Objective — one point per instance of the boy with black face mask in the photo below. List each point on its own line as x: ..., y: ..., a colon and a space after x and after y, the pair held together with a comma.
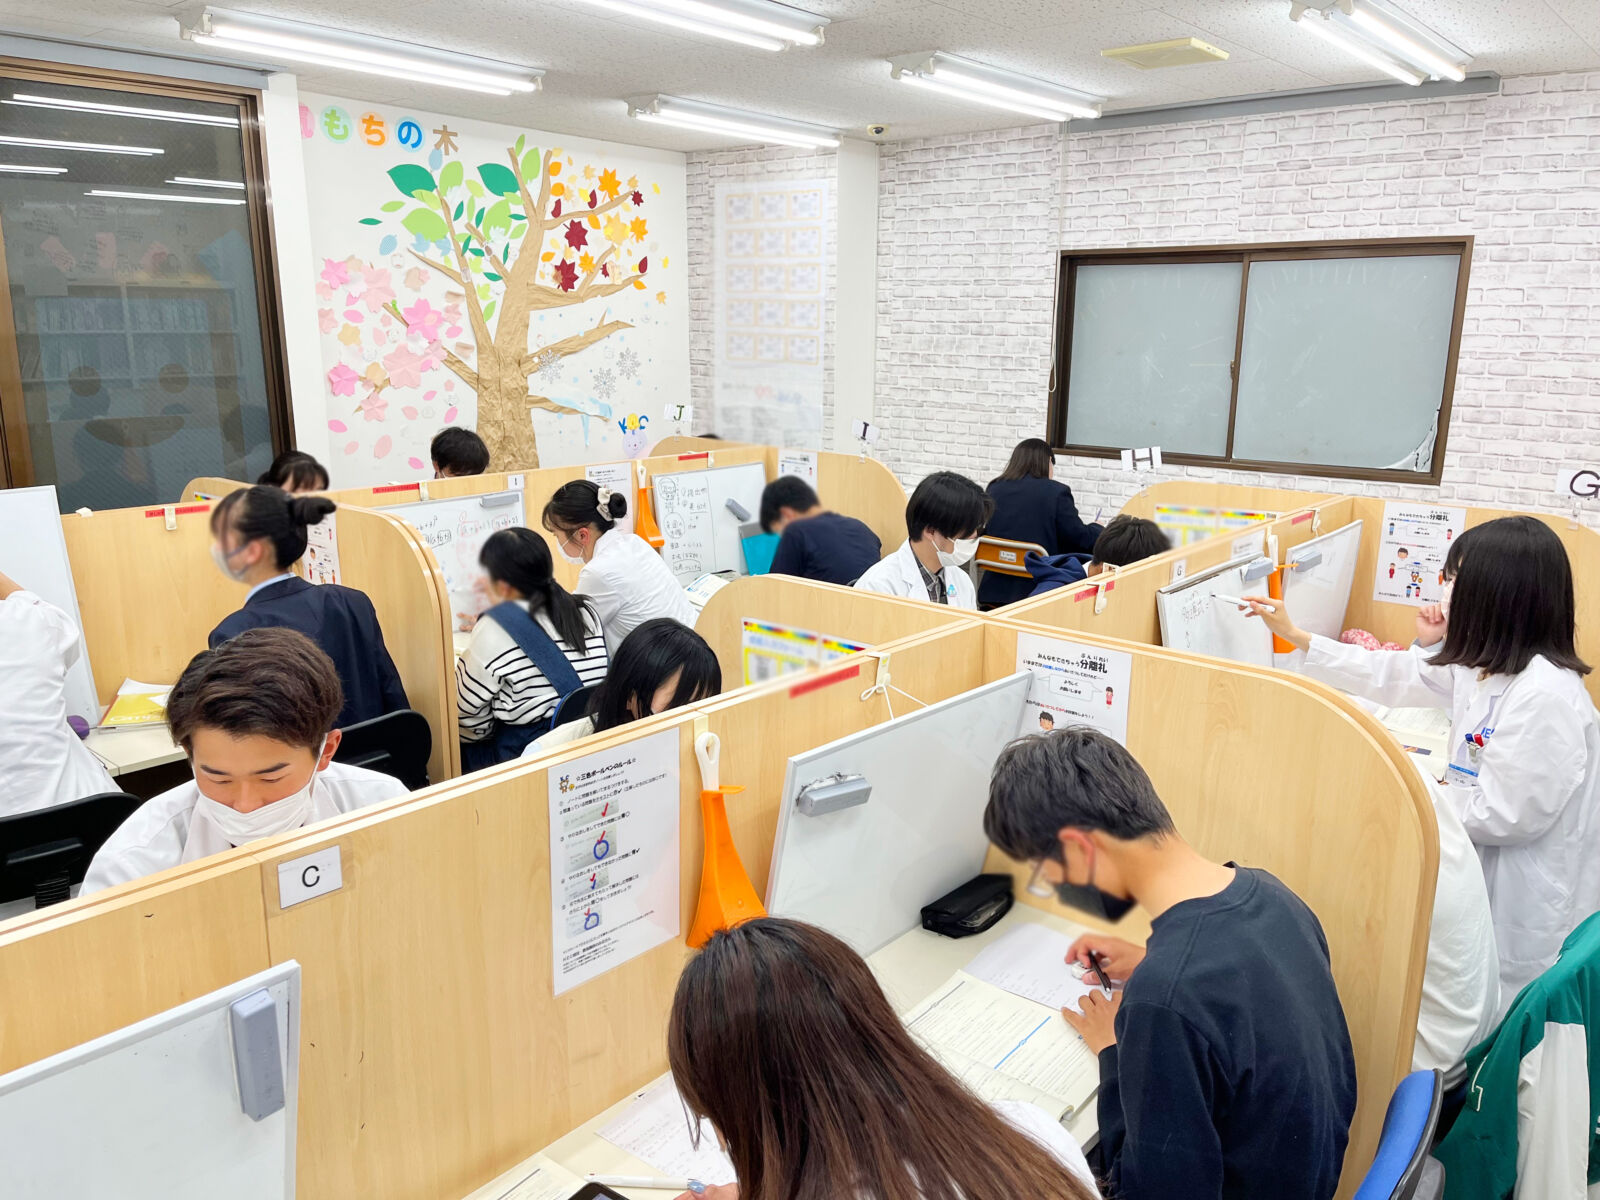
x: 1225, y: 1063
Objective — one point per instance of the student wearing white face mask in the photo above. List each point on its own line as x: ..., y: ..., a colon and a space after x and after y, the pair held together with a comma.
x: 623, y: 577
x: 944, y: 519
x: 255, y: 716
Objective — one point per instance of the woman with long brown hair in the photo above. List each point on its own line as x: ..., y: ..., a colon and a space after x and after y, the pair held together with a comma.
x: 782, y: 1039
x: 1030, y: 505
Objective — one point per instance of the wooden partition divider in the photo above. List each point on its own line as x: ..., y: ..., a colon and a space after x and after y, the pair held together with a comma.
x: 1199, y: 493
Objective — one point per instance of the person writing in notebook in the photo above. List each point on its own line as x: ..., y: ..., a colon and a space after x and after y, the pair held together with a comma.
x: 945, y: 517
x: 1226, y: 1070
x: 815, y: 543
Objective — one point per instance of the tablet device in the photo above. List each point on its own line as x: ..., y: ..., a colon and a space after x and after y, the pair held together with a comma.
x: 596, y: 1191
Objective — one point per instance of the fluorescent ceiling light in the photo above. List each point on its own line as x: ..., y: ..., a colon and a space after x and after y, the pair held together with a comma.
x: 26, y: 100
x: 89, y: 147
x: 221, y: 183
x: 731, y: 122
x: 1382, y: 36
x: 163, y: 196
x: 977, y: 83
x: 274, y: 39
x: 1408, y: 47
x: 759, y: 24
x: 22, y: 170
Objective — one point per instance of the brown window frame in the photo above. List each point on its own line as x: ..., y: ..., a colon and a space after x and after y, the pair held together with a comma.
x: 16, y: 460
x: 1245, y: 254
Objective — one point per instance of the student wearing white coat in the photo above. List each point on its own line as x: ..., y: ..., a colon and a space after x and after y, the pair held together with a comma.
x: 256, y: 718
x: 944, y: 519
x: 1524, y: 773
x: 43, y: 762
x: 623, y: 577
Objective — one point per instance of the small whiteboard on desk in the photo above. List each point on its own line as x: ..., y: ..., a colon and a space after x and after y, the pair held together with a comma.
x: 33, y: 553
x: 865, y: 873
x: 153, y: 1111
x: 700, y: 533
x: 1317, y: 590
x: 456, y: 530
x: 1193, y: 619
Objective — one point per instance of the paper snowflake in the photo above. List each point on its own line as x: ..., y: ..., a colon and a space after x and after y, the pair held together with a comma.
x: 628, y: 362
x: 548, y: 366
x: 605, y: 383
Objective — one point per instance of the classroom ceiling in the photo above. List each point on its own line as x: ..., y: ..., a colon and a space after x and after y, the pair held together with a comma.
x: 593, y: 60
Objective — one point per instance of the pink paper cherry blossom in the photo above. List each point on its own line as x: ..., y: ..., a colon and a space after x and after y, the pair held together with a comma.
x: 351, y: 447
x: 383, y: 446
x: 342, y: 379
x: 334, y: 274
x: 338, y: 426
x: 414, y: 463
x: 450, y: 415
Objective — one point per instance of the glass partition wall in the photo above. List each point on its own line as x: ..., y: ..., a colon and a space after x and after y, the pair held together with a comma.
x: 139, y: 342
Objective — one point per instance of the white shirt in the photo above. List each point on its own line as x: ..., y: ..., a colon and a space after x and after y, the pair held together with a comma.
x: 901, y: 575
x: 496, y: 681
x: 629, y: 585
x: 561, y: 735
x: 1461, y: 983
x: 163, y: 832
x: 42, y: 761
x: 1529, y: 797
x: 1049, y: 1133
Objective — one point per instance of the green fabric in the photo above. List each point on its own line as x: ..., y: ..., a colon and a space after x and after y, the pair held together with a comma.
x: 1480, y: 1152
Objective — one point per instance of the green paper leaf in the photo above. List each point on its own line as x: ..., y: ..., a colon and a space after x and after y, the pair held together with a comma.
x: 411, y: 179
x: 488, y: 310
x: 451, y: 176
x: 532, y: 164
x: 475, y: 189
x: 522, y: 140
x: 498, y: 179
x: 371, y: 221
x: 392, y: 206
x: 477, y: 252
x: 426, y: 225
x: 430, y: 200
x: 460, y: 208
x: 518, y: 217
x: 498, y: 216
x: 491, y: 275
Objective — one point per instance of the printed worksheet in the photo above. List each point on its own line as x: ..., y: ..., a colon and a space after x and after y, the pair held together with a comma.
x: 1074, y: 684
x: 1031, y: 961
x: 1413, y: 540
x: 655, y: 1129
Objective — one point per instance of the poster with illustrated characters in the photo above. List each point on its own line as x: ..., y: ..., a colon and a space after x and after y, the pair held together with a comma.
x: 771, y: 311
x: 1074, y: 684
x: 526, y: 285
x: 1412, y: 543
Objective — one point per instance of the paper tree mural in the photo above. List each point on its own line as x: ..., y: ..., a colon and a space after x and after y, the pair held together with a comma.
x: 524, y: 237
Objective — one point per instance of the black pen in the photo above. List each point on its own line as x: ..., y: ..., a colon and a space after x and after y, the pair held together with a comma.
x: 1094, y: 965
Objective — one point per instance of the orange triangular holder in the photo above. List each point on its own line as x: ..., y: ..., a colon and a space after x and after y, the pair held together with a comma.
x: 1275, y: 592
x: 644, y: 518
x: 727, y: 896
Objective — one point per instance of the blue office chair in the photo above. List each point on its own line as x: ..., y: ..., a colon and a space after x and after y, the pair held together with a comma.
x: 573, y: 706
x: 1402, y: 1169
x: 44, y: 852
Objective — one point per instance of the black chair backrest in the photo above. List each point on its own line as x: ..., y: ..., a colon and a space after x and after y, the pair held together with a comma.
x: 44, y: 852
x: 396, y: 743
x: 572, y: 706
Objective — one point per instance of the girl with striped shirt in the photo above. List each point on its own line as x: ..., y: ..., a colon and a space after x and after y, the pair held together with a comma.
x: 537, y: 644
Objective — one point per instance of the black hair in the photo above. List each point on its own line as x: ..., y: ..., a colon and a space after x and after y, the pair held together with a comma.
x: 646, y: 659
x: 1127, y: 539
x: 271, y: 513
x: 520, y: 558
x: 950, y: 505
x: 577, y: 504
x: 297, y: 470
x: 273, y: 682
x: 459, y: 452
x: 1031, y: 459
x: 786, y: 491
x: 1512, y: 599
x: 1073, y: 778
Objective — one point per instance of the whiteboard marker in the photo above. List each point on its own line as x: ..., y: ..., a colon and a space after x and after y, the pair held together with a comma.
x: 1243, y: 603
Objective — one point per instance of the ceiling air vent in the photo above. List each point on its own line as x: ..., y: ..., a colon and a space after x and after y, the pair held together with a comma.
x: 1179, y: 52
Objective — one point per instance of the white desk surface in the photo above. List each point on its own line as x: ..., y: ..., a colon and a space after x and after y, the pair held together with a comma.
x: 909, y: 968
x: 126, y: 750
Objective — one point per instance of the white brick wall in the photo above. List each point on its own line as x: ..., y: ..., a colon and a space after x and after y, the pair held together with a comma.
x: 969, y: 227
x: 705, y: 170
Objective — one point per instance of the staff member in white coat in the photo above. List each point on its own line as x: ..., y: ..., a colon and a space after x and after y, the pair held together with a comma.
x: 1524, y: 772
x: 624, y: 579
x: 42, y: 760
x: 944, y: 519
x: 256, y: 718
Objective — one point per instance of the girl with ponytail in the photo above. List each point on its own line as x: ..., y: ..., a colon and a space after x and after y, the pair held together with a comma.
x: 622, y: 577
x: 537, y: 644
x: 258, y: 534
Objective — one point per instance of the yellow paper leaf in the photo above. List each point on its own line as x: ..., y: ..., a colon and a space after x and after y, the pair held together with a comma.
x: 665, y: 262
x: 661, y: 297
x: 555, y: 168
x: 558, y: 189
x: 639, y: 283
x: 350, y: 335
x: 547, y: 256
x: 594, y: 222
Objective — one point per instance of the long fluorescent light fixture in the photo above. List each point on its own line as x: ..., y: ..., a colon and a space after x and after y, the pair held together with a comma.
x: 187, y: 181
x: 163, y: 196
x: 731, y: 122
x: 759, y: 24
x: 63, y: 104
x: 20, y: 169
x: 7, y: 139
x: 294, y: 41
x: 1382, y: 36
x: 975, y: 83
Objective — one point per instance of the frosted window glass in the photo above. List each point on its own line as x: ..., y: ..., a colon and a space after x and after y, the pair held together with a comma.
x: 1344, y: 360
x: 1151, y: 350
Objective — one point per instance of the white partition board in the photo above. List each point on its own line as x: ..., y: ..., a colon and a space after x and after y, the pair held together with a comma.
x: 700, y: 533
x: 33, y: 552
x: 1318, y: 594
x: 1193, y: 619
x: 864, y: 873
x: 152, y: 1111
x: 456, y: 530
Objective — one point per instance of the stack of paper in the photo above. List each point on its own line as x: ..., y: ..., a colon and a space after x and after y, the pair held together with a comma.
x: 539, y: 1178
x: 655, y: 1129
x: 1424, y: 732
x: 137, y: 704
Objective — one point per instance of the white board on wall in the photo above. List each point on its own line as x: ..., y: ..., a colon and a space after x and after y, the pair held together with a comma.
x: 1317, y: 579
x: 1193, y: 619
x: 455, y: 530
x: 34, y: 554
x: 700, y: 532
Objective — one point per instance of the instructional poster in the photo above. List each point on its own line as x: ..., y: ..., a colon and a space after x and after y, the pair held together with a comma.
x: 618, y: 476
x: 1184, y: 523
x: 802, y: 464
x: 613, y: 857
x: 321, y: 559
x: 1412, y: 543
x: 1074, y: 684
x: 770, y: 650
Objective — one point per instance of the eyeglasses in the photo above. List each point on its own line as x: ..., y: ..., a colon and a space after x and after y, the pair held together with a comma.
x: 1037, y: 884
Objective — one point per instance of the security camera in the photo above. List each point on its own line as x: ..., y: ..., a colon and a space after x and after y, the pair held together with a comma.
x: 877, y: 130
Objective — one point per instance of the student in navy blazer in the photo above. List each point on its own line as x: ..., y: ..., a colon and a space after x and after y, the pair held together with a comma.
x: 1030, y: 506
x: 259, y: 533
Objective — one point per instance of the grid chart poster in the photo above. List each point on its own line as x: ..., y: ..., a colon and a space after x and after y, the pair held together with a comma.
x: 613, y: 857
x: 1074, y: 684
x: 1412, y: 543
x: 771, y: 310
